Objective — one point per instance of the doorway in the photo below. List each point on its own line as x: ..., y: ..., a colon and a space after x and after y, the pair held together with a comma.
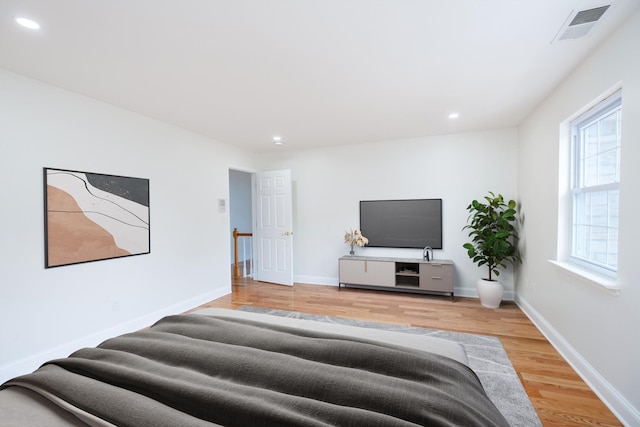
x: 260, y: 208
x: 241, y: 218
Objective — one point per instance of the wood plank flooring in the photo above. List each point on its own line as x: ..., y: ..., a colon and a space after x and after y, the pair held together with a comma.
x: 558, y: 394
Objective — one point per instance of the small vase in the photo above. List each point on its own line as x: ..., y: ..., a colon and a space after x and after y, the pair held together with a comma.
x: 352, y: 252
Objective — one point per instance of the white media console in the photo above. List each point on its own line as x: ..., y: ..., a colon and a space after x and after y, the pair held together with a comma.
x: 398, y: 274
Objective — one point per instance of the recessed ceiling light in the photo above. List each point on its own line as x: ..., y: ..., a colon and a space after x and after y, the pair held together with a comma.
x: 454, y: 115
x: 277, y: 140
x: 28, y: 23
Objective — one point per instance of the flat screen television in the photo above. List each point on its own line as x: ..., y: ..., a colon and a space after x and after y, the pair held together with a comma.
x: 402, y: 223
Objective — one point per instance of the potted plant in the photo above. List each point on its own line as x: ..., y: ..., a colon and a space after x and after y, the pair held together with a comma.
x: 494, y: 240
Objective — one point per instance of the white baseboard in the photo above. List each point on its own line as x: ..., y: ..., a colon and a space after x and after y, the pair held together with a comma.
x: 316, y: 280
x: 473, y: 293
x: 617, y: 403
x: 333, y: 281
x: 31, y: 363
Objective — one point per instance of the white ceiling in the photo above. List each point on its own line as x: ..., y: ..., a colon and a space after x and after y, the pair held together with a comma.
x: 316, y: 72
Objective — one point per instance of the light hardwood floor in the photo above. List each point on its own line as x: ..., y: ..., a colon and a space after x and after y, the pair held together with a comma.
x: 558, y: 394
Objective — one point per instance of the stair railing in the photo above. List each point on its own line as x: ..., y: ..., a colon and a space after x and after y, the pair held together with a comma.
x: 236, y: 264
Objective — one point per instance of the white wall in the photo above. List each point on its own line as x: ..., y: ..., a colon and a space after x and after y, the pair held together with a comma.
x: 48, y: 313
x: 598, y: 332
x: 328, y: 184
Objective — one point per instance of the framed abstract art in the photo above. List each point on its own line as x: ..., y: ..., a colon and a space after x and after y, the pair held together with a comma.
x: 94, y: 216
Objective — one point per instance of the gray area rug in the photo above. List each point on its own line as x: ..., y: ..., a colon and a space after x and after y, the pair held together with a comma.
x: 486, y: 356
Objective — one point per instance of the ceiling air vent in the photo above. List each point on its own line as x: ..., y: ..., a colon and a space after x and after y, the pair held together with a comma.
x: 579, y: 23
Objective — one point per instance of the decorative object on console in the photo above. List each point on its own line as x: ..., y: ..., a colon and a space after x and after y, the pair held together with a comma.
x: 354, y: 237
x: 425, y: 253
x: 494, y: 243
x: 91, y: 217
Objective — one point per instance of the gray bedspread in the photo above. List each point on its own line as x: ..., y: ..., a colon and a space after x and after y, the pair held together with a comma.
x: 201, y: 370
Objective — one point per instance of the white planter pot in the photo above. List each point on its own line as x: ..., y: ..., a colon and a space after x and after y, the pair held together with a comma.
x: 490, y: 292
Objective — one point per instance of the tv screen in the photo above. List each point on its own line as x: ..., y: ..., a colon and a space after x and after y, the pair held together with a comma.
x: 402, y: 223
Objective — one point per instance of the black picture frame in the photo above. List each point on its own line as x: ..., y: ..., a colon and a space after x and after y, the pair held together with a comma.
x: 94, y: 216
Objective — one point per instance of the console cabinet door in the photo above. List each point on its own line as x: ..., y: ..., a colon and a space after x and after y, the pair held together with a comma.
x: 436, y: 277
x: 374, y: 273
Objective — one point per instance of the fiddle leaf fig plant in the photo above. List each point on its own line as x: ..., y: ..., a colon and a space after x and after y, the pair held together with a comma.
x: 493, y: 232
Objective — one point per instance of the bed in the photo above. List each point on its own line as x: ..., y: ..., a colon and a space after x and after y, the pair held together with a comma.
x: 232, y: 368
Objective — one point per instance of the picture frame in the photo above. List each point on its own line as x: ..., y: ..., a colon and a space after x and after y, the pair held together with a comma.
x: 94, y: 216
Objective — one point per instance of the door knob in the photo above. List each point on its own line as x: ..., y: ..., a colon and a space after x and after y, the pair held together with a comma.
x: 288, y: 233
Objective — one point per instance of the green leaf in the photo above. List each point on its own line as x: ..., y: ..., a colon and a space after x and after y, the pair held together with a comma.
x: 493, y: 233
x: 502, y: 234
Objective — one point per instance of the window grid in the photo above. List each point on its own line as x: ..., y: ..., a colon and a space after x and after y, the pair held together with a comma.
x: 596, y: 150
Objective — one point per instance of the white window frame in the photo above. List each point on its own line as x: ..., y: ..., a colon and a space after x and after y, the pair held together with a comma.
x: 580, y: 188
x: 588, y: 273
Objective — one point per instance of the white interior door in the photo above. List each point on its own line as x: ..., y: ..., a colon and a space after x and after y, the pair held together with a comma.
x: 273, y: 234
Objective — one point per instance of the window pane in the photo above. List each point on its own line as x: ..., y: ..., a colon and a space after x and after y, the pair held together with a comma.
x: 590, y: 137
x: 608, y: 132
x: 581, y: 241
x: 598, y: 244
x: 599, y: 156
x: 599, y: 209
x: 596, y: 227
x: 590, y: 171
x: 613, y: 208
x: 607, y: 167
x: 596, y: 196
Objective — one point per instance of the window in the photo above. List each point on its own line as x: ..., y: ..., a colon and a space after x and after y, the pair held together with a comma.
x: 595, y: 151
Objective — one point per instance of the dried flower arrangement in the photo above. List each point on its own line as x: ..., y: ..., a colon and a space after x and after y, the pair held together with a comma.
x: 355, y: 237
